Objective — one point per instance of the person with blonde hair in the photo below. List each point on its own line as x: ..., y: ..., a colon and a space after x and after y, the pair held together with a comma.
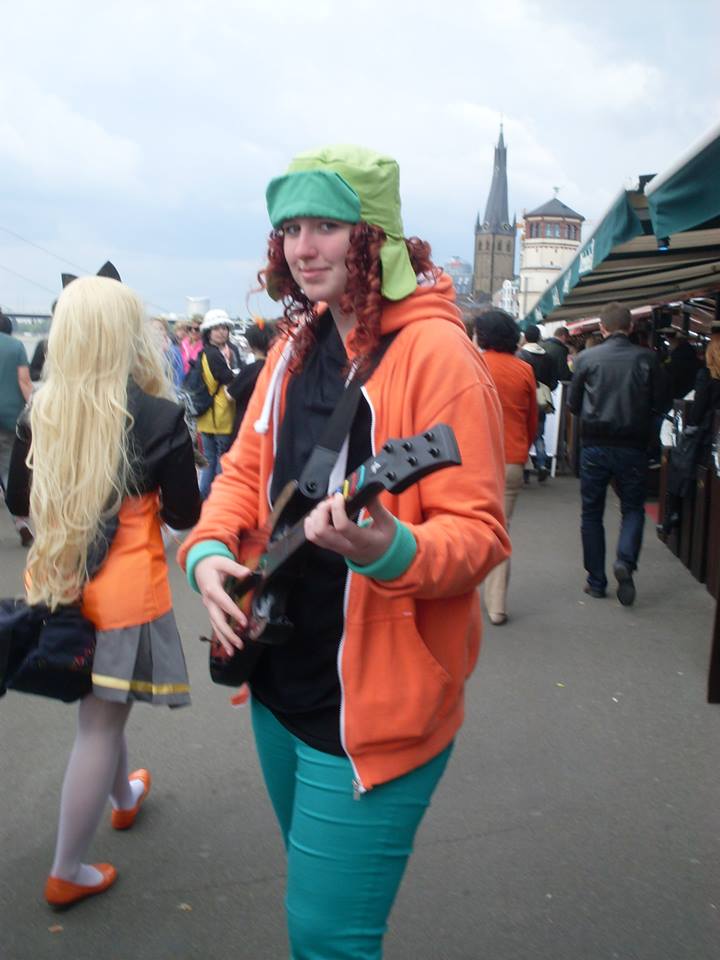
x: 102, y: 457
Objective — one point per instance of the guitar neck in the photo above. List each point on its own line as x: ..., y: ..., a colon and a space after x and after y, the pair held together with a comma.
x: 293, y: 539
x: 397, y: 466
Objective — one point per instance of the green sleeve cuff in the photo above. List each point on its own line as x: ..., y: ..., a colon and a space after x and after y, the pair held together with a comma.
x: 198, y: 552
x: 396, y: 559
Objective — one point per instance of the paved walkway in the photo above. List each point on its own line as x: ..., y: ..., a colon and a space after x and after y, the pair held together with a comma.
x: 578, y: 820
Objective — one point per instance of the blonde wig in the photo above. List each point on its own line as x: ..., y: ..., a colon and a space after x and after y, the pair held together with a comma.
x: 79, y: 456
x: 712, y: 356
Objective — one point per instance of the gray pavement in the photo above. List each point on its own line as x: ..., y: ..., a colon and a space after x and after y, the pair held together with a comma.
x: 578, y: 819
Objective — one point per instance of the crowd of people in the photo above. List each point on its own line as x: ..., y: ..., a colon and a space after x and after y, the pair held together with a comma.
x: 354, y: 716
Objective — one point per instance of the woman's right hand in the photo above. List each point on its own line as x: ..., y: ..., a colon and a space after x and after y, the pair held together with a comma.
x: 210, y: 576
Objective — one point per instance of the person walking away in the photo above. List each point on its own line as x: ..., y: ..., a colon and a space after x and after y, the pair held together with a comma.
x: 546, y: 381
x: 497, y: 335
x: 682, y: 365
x: 557, y: 347
x: 110, y: 457
x: 355, y: 716
x: 617, y: 389
x: 170, y: 350
x: 259, y: 338
x: 15, y: 391
x: 220, y: 364
x: 191, y: 344
x: 38, y: 358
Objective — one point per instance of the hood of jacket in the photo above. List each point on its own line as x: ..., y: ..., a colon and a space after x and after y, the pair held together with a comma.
x: 434, y: 297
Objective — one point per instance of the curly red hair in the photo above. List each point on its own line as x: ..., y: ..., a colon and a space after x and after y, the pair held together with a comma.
x: 362, y: 297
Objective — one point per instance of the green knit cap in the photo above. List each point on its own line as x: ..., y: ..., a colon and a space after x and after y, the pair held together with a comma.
x: 373, y: 178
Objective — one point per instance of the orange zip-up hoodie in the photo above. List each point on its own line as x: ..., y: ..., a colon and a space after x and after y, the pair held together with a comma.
x: 408, y: 644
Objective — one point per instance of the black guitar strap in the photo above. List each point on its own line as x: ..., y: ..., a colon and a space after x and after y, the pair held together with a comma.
x: 314, y: 478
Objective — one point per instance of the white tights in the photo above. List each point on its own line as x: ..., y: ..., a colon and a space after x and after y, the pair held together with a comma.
x: 97, y: 769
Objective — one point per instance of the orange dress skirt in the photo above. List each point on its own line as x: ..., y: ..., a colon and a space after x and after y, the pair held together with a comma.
x: 139, y: 653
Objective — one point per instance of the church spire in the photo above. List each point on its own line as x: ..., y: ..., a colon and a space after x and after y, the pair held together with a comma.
x: 497, y: 218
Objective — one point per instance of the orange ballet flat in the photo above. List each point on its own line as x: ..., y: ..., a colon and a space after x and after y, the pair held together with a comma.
x: 64, y: 893
x: 124, y: 819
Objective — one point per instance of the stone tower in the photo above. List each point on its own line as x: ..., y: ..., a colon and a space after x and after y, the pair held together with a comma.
x: 552, y: 235
x: 494, y: 260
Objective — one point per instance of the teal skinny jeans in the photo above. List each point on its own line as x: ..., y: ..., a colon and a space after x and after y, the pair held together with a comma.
x: 346, y: 856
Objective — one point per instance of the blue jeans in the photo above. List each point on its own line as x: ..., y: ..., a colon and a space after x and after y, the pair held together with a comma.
x: 346, y: 856
x: 214, y: 446
x: 541, y: 458
x: 598, y: 466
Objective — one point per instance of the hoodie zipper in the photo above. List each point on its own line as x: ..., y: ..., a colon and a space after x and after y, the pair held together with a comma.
x: 358, y: 786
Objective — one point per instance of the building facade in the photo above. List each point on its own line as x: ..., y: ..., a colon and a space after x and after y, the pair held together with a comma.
x: 461, y: 274
x: 551, y: 237
x: 494, y: 255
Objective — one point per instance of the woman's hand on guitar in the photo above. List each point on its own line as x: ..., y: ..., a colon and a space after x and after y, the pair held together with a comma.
x: 210, y: 576
x: 329, y: 526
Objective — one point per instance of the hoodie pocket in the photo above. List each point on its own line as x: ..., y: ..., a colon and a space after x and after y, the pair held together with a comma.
x: 400, y: 692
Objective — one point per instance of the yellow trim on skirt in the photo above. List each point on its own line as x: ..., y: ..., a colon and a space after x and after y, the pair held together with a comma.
x: 141, y: 686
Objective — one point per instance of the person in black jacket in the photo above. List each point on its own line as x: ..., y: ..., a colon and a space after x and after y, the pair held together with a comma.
x: 259, y: 338
x: 220, y: 364
x: 557, y: 347
x: 617, y: 389
x: 544, y: 370
x: 682, y: 364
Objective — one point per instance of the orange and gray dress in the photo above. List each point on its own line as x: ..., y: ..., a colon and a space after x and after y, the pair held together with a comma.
x: 139, y: 653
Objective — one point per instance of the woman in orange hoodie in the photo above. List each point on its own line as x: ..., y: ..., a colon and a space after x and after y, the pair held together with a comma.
x: 497, y: 335
x: 355, y: 715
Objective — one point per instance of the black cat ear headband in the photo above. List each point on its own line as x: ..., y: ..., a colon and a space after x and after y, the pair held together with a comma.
x: 106, y: 270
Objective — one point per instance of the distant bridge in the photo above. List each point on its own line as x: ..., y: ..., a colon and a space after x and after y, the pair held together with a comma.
x: 33, y: 318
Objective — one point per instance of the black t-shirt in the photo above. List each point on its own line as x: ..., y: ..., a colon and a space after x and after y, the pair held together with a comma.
x: 299, y: 681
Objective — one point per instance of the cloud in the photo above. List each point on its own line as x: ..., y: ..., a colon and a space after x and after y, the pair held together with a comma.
x: 45, y: 141
x: 151, y: 127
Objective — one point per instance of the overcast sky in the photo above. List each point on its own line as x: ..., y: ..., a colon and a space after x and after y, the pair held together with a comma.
x: 146, y: 132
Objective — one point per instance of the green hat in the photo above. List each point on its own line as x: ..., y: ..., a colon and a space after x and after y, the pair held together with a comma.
x: 370, y: 177
x: 316, y: 194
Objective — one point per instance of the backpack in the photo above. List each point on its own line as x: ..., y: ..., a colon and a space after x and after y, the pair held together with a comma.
x: 194, y: 393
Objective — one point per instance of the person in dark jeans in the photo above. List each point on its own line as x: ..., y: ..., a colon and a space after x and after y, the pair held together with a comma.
x: 617, y: 389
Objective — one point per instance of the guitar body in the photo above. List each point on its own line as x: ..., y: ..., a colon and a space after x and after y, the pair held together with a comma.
x: 265, y: 609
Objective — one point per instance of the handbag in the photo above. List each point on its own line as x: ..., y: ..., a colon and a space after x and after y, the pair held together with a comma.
x: 544, y: 398
x: 48, y: 653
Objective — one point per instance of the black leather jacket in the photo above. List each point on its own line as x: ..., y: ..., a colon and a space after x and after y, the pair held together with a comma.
x: 617, y: 389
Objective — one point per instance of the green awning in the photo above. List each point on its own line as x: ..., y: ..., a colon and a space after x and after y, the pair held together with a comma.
x: 619, y: 225
x: 628, y: 257
x: 688, y: 194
